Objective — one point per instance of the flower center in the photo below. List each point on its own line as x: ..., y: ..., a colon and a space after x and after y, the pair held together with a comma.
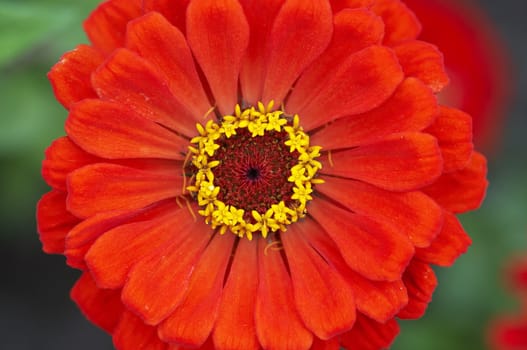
x: 253, y: 172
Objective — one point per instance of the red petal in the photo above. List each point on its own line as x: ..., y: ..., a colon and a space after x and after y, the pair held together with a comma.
x: 379, y: 300
x: 174, y: 11
x: 353, y: 31
x: 462, y: 190
x: 106, y: 25
x: 363, y: 242
x: 301, y: 32
x: 420, y: 281
x: 361, y: 83
x: 260, y: 15
x: 412, y: 107
x: 104, y: 187
x: 192, y: 321
x: 423, y: 61
x: 163, y: 45
x: 451, y: 242
x: 339, y: 5
x: 370, y: 335
x: 453, y: 130
x: 400, y: 162
x: 401, y: 23
x: 101, y: 306
x: 158, y: 283
x: 324, y: 300
x: 278, y: 324
x: 70, y: 77
x: 411, y: 213
x: 118, y: 248
x: 113, y: 130
x: 235, y: 328
x: 54, y: 221
x: 330, y: 344
x: 133, y: 81
x: 63, y: 157
x: 133, y: 334
x: 218, y: 35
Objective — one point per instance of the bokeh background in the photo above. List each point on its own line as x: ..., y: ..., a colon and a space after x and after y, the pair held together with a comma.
x: 35, y: 309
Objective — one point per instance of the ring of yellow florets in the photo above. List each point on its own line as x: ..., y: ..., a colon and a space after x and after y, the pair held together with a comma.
x: 302, y: 175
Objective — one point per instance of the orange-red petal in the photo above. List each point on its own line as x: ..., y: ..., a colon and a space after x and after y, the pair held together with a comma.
x: 400, y: 162
x: 370, y: 335
x: 330, y: 344
x: 70, y: 77
x: 192, y: 321
x: 157, y: 284
x: 423, y: 61
x: 371, y: 248
x: 420, y: 281
x: 131, y: 80
x: 411, y: 213
x: 324, y: 300
x: 235, y: 328
x: 104, y: 187
x: 464, y: 189
x: 173, y: 10
x: 63, y: 157
x: 453, y: 130
x: 106, y: 26
x: 401, y: 23
x: 113, y: 130
x: 54, y: 221
x: 218, y: 34
x: 163, y: 45
x: 300, y: 33
x: 451, y: 242
x: 101, y: 306
x: 132, y: 333
x: 278, y: 324
x: 339, y: 5
x: 412, y: 107
x: 359, y: 84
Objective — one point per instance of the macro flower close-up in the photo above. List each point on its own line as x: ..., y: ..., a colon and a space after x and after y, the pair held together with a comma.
x: 256, y: 174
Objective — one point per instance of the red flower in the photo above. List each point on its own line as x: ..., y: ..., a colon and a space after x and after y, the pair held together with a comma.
x: 309, y: 225
x: 510, y: 332
x: 475, y: 60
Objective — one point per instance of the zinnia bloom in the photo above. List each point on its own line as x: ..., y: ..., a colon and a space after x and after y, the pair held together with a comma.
x: 256, y: 174
x: 476, y: 61
x: 510, y: 332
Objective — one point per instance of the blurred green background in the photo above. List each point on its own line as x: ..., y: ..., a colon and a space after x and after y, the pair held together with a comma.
x: 36, y: 312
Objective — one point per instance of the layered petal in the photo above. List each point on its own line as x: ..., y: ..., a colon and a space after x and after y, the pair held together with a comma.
x: 359, y: 84
x: 411, y: 213
x: 163, y: 45
x: 62, y: 157
x: 192, y: 321
x: 401, y: 23
x: 54, y: 221
x: 113, y: 130
x: 218, y: 34
x: 70, y: 77
x: 173, y: 11
x: 353, y: 31
x: 101, y: 306
x: 451, y: 242
x: 323, y: 299
x: 339, y: 5
x: 235, y: 328
x: 462, y: 190
x: 370, y: 335
x: 400, y: 162
x: 453, y: 130
x: 157, y: 284
x: 363, y: 242
x: 301, y: 32
x: 424, y: 61
x: 106, y: 26
x: 420, y: 281
x: 104, y: 187
x: 278, y: 324
x: 132, y: 333
x: 133, y: 81
x: 412, y: 107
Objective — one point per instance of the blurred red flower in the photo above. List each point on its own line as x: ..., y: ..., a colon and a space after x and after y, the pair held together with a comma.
x: 309, y: 225
x: 476, y: 61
